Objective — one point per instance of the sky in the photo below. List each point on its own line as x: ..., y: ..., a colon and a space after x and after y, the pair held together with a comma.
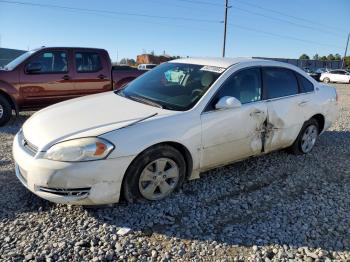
x: 126, y: 28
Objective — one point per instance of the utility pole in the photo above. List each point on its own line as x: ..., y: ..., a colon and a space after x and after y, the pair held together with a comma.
x: 225, y: 27
x: 346, y: 50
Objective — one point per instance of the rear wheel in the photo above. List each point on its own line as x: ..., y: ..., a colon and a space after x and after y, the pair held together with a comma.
x: 326, y: 80
x: 154, y: 174
x: 5, y: 111
x: 307, y: 138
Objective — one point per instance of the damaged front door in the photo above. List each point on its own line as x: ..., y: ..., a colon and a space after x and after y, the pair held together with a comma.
x: 232, y: 134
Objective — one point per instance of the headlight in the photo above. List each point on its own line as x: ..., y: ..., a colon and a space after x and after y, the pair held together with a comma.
x: 82, y: 149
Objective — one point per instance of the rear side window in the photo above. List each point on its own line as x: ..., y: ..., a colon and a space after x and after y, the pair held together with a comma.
x: 279, y: 82
x: 305, y: 85
x: 86, y: 62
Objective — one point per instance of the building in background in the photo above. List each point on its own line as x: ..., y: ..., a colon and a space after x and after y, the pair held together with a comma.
x: 153, y: 59
x: 7, y: 55
x: 308, y: 63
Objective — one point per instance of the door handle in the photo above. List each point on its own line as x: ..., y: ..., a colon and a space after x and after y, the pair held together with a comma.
x: 256, y: 112
x: 302, y: 103
x: 101, y: 76
x: 66, y: 77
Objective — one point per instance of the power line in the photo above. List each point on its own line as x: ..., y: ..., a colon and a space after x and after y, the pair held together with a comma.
x: 110, y: 12
x: 201, y: 2
x: 281, y: 36
x: 286, y: 21
x: 285, y: 14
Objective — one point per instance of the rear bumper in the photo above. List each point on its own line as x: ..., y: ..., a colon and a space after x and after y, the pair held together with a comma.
x: 81, y: 183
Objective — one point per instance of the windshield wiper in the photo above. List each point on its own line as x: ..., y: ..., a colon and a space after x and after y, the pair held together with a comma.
x: 145, y: 101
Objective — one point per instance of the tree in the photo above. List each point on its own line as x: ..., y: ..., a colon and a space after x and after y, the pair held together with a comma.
x: 337, y: 57
x: 323, y: 58
x: 304, y: 56
x: 330, y: 57
x: 347, y: 62
x: 316, y: 57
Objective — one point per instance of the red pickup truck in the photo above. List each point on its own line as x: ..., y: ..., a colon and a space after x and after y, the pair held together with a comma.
x: 49, y: 75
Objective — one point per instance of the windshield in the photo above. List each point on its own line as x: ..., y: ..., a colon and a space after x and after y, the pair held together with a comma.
x: 172, y: 86
x: 18, y: 60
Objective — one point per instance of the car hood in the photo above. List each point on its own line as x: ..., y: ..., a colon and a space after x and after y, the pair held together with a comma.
x: 86, y: 116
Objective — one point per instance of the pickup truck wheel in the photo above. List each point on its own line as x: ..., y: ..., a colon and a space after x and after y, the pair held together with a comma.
x: 154, y: 174
x: 5, y: 111
x: 307, y: 138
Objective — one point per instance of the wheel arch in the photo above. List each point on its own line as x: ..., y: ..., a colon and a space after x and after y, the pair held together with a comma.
x: 178, y: 146
x: 10, y: 99
x: 320, y: 120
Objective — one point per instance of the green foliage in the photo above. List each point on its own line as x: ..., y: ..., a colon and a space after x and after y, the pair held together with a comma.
x: 347, y: 62
x: 330, y: 57
x: 316, y: 57
x: 304, y: 56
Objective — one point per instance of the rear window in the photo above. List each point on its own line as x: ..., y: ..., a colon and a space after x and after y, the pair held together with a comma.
x: 279, y: 82
x: 86, y: 62
x: 305, y: 85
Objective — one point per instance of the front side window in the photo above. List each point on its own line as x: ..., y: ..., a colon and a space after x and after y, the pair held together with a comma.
x: 87, y: 62
x: 244, y: 85
x: 14, y: 63
x: 49, y: 62
x: 305, y: 85
x: 279, y: 82
x: 173, y: 86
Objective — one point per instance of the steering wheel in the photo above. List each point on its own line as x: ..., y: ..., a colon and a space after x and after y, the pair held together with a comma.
x: 194, y: 91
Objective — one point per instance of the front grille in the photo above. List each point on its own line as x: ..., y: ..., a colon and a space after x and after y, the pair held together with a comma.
x: 26, y: 145
x: 75, y: 192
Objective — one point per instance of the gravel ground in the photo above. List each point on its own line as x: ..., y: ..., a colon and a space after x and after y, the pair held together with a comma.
x: 277, y: 207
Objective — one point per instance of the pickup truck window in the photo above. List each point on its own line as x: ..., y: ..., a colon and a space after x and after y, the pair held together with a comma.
x: 87, y: 62
x: 10, y: 66
x: 49, y: 62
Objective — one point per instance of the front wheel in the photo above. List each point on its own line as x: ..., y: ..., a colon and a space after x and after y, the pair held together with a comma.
x: 5, y: 111
x: 326, y: 80
x: 154, y: 174
x: 307, y: 138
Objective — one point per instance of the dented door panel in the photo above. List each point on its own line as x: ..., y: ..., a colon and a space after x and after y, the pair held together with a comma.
x: 285, y: 119
x: 231, y: 135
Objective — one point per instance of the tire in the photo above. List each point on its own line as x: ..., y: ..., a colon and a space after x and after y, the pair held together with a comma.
x: 148, y: 176
x: 326, y: 80
x: 300, y: 146
x: 5, y: 111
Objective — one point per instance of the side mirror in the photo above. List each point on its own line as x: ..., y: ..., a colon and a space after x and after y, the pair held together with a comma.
x: 228, y: 102
x: 33, y: 68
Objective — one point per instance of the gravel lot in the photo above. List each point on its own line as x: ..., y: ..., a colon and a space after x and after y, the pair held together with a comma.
x: 275, y: 207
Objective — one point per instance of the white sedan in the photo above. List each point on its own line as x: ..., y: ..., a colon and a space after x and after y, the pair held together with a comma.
x: 172, y: 123
x: 339, y: 76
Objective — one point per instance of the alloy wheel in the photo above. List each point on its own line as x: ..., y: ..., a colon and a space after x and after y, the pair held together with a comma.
x: 309, y: 138
x: 159, y: 178
x: 1, y: 111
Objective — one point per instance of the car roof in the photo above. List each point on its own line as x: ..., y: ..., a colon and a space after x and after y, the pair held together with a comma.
x: 214, y: 61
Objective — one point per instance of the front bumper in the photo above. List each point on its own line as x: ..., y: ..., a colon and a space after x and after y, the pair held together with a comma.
x: 81, y: 183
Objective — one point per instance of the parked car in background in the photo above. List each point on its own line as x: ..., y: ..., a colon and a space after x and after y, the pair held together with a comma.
x: 338, y: 76
x: 315, y: 75
x: 49, y: 75
x: 184, y: 117
x: 146, y: 66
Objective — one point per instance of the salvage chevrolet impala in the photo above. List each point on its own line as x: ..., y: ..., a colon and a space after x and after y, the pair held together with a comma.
x: 172, y: 123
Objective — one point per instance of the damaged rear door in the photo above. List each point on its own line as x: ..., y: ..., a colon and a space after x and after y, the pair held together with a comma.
x: 232, y: 134
x: 285, y: 108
